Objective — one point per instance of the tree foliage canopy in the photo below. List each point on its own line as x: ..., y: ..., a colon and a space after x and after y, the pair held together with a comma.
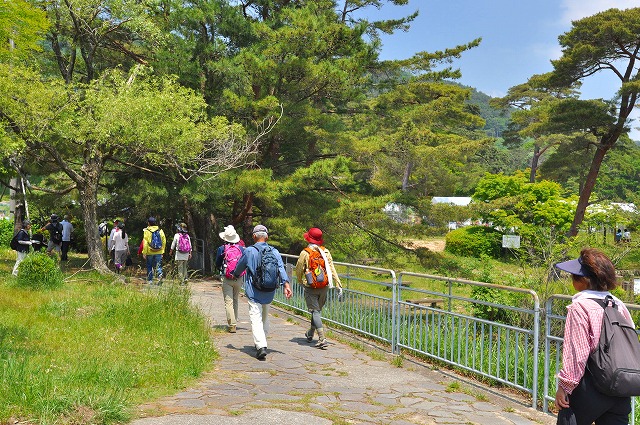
x: 232, y: 112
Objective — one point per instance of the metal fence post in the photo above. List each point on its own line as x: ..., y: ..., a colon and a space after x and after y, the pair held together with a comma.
x: 536, y: 350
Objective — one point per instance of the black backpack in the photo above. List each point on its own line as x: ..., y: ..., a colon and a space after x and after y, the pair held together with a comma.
x: 56, y: 232
x: 615, y: 364
x: 14, y: 241
x: 267, y: 277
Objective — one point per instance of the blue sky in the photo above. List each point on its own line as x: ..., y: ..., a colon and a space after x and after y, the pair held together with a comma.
x: 519, y: 37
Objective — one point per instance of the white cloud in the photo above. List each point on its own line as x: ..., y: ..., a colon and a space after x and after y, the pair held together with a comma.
x: 578, y: 9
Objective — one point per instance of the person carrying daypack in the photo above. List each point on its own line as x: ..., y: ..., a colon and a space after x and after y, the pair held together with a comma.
x: 260, y: 260
x: 20, y: 243
x: 316, y: 272
x: 153, y: 245
x: 120, y: 247
x: 593, y: 276
x: 55, y: 234
x: 181, y: 245
x: 227, y: 257
x: 615, y: 364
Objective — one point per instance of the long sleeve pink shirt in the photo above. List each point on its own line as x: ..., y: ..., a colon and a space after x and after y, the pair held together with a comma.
x: 581, y: 335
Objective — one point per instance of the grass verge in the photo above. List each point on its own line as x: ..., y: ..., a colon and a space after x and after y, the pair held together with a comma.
x: 91, y: 351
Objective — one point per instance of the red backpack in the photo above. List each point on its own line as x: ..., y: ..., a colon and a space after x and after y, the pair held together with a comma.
x: 317, y: 269
x: 232, y: 253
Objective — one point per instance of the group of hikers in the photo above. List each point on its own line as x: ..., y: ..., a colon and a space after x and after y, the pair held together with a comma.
x: 59, y: 239
x: 621, y: 236
x: 258, y: 269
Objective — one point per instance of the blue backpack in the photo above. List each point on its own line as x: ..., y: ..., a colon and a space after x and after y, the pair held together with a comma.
x: 267, y: 277
x: 156, y: 240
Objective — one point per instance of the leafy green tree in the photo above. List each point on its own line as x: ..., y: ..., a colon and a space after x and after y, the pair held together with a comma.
x: 532, y: 210
x: 609, y: 42
x: 21, y: 27
x: 131, y: 121
x: 532, y: 102
x: 87, y: 37
x: 420, y: 138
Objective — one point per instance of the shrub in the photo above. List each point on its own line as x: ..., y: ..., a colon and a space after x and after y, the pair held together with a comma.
x: 495, y: 296
x: 39, y: 271
x: 6, y: 232
x: 474, y: 241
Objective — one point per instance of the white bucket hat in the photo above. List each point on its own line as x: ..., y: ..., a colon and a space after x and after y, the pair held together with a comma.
x: 230, y: 234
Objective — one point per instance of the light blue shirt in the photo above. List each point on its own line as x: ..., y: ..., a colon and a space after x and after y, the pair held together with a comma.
x: 67, y: 228
x: 250, y: 261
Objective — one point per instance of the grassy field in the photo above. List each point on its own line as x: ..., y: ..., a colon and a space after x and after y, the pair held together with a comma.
x: 94, y: 349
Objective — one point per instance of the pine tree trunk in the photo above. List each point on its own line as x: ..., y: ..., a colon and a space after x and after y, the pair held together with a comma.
x: 89, y: 201
x: 534, y: 164
x: 587, y: 189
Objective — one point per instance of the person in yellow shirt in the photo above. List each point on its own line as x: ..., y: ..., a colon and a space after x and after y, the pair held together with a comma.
x: 153, y: 244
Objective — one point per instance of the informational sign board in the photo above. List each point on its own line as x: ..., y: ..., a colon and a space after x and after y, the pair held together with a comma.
x: 510, y: 241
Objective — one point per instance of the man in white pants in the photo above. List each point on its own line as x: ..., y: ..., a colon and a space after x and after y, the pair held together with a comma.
x: 24, y: 244
x: 259, y: 301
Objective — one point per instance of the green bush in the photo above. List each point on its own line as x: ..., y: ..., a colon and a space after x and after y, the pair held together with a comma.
x: 39, y: 271
x: 474, y: 241
x: 496, y: 296
x: 6, y: 232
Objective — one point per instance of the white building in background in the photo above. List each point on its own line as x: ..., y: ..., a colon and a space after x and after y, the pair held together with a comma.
x: 461, y: 201
x: 401, y: 213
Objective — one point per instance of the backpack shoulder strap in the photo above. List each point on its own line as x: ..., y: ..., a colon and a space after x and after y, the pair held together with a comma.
x: 261, y: 251
x: 316, y: 248
x: 604, y: 302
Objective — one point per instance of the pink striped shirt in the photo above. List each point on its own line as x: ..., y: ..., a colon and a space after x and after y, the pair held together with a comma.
x: 581, y: 335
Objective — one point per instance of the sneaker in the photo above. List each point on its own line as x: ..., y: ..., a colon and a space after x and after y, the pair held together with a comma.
x: 322, y: 344
x: 309, y: 335
x: 262, y: 353
x: 232, y: 329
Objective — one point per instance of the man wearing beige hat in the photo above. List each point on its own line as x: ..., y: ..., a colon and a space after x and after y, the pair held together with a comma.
x: 227, y: 257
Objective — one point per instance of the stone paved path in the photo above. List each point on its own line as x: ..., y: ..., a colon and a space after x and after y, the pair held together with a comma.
x: 349, y: 383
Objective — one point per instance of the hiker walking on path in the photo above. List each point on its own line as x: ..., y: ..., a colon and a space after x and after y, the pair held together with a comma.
x: 110, y: 239
x: 593, y: 276
x: 316, y: 272
x: 120, y: 245
x: 55, y: 234
x: 22, y: 244
x: 153, y: 245
x: 67, y: 230
x: 227, y: 257
x: 266, y: 273
x: 626, y: 236
x: 181, y: 245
